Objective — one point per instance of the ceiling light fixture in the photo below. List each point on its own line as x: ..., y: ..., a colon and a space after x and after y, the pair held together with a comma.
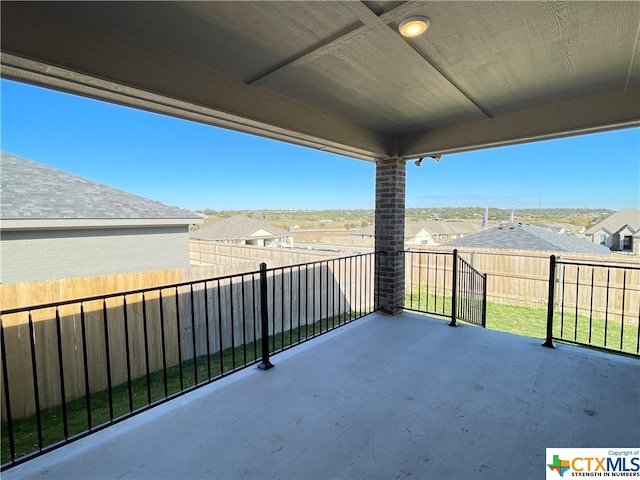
x: 413, y: 26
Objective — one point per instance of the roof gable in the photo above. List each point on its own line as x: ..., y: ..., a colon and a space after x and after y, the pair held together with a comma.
x: 33, y: 191
x: 614, y: 222
x: 626, y: 230
x: 261, y: 233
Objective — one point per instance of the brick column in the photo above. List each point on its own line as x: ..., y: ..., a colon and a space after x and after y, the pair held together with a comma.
x: 390, y: 204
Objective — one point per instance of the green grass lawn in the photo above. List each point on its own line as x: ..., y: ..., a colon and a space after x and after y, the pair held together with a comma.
x: 532, y: 322
x: 146, y: 392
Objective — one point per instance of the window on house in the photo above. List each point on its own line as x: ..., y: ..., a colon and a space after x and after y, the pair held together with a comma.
x: 626, y: 243
x: 603, y: 239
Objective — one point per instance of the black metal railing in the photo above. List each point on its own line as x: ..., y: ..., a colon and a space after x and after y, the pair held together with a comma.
x: 75, y: 367
x: 444, y: 284
x: 595, y: 305
x: 428, y: 280
x: 470, y: 293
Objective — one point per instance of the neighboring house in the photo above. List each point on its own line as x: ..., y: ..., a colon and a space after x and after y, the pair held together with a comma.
x: 441, y: 232
x: 519, y: 236
x: 617, y: 231
x: 241, y: 230
x: 433, y: 232
x: 57, y: 225
x: 635, y: 243
x: 562, y: 228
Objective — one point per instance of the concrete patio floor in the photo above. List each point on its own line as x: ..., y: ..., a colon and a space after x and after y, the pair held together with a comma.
x: 383, y: 398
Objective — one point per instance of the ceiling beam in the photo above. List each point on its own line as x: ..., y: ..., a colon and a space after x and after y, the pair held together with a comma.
x: 366, y: 21
x: 597, y: 113
x: 399, y: 13
x: 369, y: 21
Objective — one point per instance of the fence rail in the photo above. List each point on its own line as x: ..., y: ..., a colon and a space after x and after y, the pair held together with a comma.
x: 73, y: 367
x: 594, y: 305
x: 444, y: 284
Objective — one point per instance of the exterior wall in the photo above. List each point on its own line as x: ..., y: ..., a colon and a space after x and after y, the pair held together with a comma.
x: 595, y: 238
x: 422, y: 238
x: 49, y: 254
x: 619, y: 239
x: 389, y: 218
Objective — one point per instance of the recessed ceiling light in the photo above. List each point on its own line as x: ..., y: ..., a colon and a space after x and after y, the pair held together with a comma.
x: 413, y: 26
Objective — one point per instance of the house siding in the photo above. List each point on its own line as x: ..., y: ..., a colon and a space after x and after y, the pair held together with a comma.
x: 30, y: 255
x: 595, y: 238
x: 619, y: 239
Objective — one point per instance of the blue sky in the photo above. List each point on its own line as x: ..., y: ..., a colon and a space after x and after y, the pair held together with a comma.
x: 197, y: 166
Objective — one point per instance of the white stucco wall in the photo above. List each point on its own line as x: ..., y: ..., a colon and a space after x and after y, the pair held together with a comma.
x: 47, y: 254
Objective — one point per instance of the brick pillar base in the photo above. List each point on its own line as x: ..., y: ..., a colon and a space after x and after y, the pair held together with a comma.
x: 390, y: 205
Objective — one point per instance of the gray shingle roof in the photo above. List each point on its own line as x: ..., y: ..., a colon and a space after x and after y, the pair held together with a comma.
x: 32, y: 191
x: 518, y: 236
x: 236, y: 228
x: 614, y: 222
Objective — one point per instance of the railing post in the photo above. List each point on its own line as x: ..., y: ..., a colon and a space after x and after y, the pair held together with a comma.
x: 454, y: 293
x: 484, y: 300
x: 550, y: 302
x: 264, y: 318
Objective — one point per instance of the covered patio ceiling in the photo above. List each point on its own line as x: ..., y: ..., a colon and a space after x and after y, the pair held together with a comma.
x: 338, y: 76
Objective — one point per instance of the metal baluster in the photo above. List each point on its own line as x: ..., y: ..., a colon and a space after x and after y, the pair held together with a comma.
x: 244, y: 322
x: 146, y: 347
x: 63, y: 394
x: 233, y: 330
x: 193, y: 336
x: 7, y: 393
x: 606, y: 308
x: 85, y: 359
x: 34, y: 372
x: 624, y: 292
x: 165, y: 380
x: 220, y: 336
x: 127, y: 351
x: 179, y: 337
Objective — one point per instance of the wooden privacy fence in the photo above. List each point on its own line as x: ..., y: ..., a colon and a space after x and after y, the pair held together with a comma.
x: 522, y: 277
x: 203, y: 252
x: 76, y: 347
